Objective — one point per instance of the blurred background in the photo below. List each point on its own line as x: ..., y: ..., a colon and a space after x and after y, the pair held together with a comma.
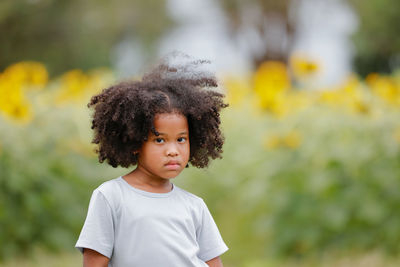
x: 311, y: 167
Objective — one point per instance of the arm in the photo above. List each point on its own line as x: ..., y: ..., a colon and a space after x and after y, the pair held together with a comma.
x: 216, y: 262
x: 92, y: 258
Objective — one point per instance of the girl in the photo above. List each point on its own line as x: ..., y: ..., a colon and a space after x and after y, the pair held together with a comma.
x: 159, y: 124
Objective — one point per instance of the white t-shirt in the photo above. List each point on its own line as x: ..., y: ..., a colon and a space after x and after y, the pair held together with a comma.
x: 133, y: 227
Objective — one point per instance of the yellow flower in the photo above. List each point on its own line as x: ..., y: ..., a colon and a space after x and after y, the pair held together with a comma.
x: 281, y: 105
x: 291, y: 140
x: 385, y: 87
x: 353, y: 95
x: 22, y: 112
x: 10, y: 92
x: 78, y: 87
x: 237, y: 90
x: 349, y: 96
x: 372, y: 78
x: 73, y: 86
x: 19, y: 112
x: 331, y: 97
x: 303, y: 66
x: 28, y: 73
x: 272, y: 142
x: 271, y: 80
x: 98, y: 79
x: 12, y: 101
x: 13, y: 81
x: 301, y: 99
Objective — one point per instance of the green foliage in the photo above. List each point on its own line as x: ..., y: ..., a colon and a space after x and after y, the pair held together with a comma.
x: 378, y: 38
x: 44, y: 188
x: 76, y: 34
x: 337, y: 190
x: 318, y: 180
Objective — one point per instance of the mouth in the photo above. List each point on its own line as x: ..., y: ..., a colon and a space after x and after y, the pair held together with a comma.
x: 173, y: 165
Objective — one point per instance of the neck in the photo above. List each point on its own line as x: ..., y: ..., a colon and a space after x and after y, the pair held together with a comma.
x: 142, y: 179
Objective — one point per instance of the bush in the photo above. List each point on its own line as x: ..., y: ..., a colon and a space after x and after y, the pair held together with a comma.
x: 315, y: 181
x: 47, y: 166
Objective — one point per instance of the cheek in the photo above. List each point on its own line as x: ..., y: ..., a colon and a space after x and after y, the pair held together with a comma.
x: 186, y: 151
x: 150, y: 153
x: 155, y: 155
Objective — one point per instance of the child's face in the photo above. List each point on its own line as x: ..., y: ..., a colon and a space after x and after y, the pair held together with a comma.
x: 166, y: 155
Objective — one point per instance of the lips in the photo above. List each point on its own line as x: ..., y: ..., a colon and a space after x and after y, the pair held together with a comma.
x: 173, y: 162
x: 173, y: 165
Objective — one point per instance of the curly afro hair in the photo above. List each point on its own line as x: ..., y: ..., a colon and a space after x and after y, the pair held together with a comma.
x: 124, y: 113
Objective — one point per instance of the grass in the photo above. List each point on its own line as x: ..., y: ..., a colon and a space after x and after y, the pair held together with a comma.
x: 43, y: 258
x: 371, y: 259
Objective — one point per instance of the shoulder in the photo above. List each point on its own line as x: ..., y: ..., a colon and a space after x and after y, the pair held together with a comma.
x: 187, y: 194
x: 109, y: 187
x: 111, y: 190
x: 109, y: 184
x: 190, y: 197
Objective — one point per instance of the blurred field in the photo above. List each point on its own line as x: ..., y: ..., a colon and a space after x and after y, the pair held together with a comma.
x: 43, y: 258
x: 373, y: 259
x: 308, y: 177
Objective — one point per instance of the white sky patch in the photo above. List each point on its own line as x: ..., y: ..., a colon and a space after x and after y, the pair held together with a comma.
x: 202, y: 33
x: 323, y: 33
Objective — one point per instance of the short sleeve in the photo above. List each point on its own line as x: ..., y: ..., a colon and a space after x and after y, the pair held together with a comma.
x: 98, y: 230
x: 208, y: 237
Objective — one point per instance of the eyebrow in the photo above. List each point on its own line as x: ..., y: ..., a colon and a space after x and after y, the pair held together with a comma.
x: 181, y: 133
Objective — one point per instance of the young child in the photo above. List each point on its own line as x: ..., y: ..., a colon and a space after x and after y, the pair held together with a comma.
x: 160, y: 124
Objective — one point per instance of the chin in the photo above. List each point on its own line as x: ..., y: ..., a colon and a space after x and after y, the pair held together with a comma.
x: 171, y: 175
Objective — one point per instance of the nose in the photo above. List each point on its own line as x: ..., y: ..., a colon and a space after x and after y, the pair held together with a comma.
x: 172, y: 151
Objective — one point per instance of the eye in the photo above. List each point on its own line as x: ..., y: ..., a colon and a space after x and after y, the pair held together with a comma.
x: 159, y: 140
x: 181, y: 139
